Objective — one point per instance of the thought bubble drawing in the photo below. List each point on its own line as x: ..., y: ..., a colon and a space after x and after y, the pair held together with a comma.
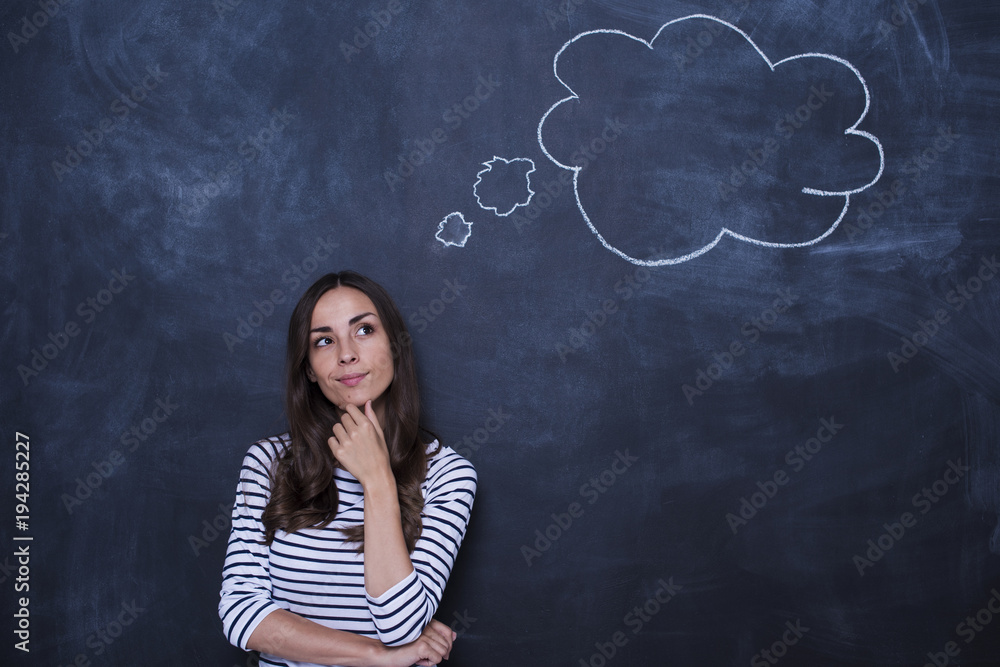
x: 454, y: 230
x: 695, y: 135
x: 507, y: 183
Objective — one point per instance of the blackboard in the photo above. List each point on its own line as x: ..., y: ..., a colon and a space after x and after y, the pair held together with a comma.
x: 705, y: 290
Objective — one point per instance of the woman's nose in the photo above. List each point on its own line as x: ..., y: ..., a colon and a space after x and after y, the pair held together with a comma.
x: 348, y: 353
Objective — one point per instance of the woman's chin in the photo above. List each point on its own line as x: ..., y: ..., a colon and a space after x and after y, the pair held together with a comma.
x: 359, y: 404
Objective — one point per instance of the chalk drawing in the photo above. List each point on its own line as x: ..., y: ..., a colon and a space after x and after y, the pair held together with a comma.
x: 489, y: 169
x: 454, y: 230
x: 846, y: 194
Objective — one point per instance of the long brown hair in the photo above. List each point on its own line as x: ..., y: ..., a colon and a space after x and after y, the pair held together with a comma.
x: 303, y: 491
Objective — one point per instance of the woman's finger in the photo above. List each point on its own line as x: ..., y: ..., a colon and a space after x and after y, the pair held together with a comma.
x: 340, y: 433
x: 444, y: 633
x: 348, y: 419
x: 441, y: 629
x: 434, y: 649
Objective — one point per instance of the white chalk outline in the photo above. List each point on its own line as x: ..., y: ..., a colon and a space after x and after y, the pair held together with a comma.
x: 441, y: 229
x: 489, y: 167
x: 725, y: 231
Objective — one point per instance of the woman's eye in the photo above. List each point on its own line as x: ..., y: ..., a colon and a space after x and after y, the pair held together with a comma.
x: 366, y: 330
x: 323, y: 342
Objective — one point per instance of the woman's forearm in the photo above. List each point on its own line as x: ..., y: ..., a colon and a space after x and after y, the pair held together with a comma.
x: 291, y: 636
x: 387, y: 562
x: 359, y: 445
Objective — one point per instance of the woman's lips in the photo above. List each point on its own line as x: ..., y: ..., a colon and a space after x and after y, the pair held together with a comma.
x: 352, y: 378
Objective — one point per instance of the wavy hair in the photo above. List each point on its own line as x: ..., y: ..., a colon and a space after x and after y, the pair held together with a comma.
x: 303, y: 490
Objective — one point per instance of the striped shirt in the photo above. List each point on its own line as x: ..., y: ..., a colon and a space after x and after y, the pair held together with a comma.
x: 314, y: 573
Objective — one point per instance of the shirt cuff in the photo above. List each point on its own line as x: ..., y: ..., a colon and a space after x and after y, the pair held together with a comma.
x: 389, y: 594
x: 259, y: 614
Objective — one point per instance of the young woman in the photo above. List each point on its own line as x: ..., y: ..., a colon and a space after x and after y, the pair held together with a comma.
x: 345, y: 529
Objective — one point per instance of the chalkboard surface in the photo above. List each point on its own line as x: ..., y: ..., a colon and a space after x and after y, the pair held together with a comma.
x: 707, y: 291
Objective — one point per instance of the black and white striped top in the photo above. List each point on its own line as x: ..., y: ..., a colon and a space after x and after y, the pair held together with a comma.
x: 314, y: 574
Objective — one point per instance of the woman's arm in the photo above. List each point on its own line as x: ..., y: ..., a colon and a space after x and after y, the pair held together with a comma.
x: 449, y: 492
x: 387, y: 562
x: 403, y: 591
x: 359, y: 445
x: 293, y: 637
x: 245, y: 598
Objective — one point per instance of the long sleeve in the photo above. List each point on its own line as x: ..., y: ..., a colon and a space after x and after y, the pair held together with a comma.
x: 246, y: 596
x: 402, y: 612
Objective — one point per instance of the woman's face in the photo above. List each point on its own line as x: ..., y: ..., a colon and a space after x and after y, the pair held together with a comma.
x: 349, y: 353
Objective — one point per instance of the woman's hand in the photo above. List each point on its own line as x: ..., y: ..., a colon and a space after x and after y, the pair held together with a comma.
x: 433, y: 646
x: 359, y: 445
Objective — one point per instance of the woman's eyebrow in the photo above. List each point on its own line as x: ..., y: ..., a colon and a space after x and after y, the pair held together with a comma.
x: 350, y: 322
x: 358, y: 317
